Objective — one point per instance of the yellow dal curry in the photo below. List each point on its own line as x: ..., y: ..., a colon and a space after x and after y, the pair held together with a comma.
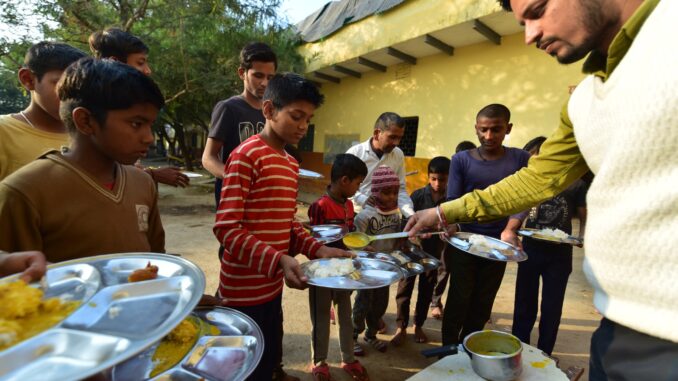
x: 179, y: 342
x: 355, y: 241
x: 25, y: 313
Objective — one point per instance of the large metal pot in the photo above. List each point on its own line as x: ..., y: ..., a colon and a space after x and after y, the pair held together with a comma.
x: 495, y: 355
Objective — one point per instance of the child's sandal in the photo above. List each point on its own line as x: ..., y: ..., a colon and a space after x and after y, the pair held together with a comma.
x: 321, y: 373
x: 356, y: 371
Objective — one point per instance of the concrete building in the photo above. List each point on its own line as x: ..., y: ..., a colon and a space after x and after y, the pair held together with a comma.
x: 435, y: 62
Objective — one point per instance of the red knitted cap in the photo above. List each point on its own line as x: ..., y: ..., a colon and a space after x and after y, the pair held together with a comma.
x: 384, y: 177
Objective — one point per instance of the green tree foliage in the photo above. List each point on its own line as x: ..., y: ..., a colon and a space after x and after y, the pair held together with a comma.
x: 12, y: 96
x: 194, y: 45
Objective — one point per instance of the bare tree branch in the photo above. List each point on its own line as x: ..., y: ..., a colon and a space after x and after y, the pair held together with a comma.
x: 82, y: 20
x: 175, y: 96
x: 137, y: 15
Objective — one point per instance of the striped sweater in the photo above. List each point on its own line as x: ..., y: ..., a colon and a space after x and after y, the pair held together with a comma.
x: 255, y: 223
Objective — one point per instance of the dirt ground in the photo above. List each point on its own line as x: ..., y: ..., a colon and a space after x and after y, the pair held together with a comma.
x: 188, y: 216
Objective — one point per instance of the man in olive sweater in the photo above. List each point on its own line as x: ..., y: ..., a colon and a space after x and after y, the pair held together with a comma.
x: 621, y: 123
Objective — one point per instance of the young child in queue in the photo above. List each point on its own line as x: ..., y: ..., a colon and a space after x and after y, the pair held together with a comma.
x: 116, y: 44
x: 31, y: 132
x: 335, y: 208
x: 382, y: 218
x: 427, y: 197
x: 89, y: 200
x: 255, y: 219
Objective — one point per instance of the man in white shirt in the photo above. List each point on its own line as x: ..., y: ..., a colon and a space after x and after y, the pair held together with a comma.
x: 382, y: 149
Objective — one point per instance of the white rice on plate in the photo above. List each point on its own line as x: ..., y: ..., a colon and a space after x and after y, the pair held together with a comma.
x: 481, y: 243
x: 333, y: 267
x: 555, y: 233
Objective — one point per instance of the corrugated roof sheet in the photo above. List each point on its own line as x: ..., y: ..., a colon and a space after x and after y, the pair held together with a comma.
x: 335, y: 14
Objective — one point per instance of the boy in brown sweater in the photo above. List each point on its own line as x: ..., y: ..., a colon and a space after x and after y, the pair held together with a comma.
x: 90, y: 200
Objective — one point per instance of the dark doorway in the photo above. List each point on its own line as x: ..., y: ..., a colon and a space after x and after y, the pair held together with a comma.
x: 409, y: 141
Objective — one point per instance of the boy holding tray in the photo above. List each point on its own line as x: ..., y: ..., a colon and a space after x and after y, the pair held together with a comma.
x: 335, y: 208
x: 423, y: 198
x: 255, y: 218
x: 474, y: 281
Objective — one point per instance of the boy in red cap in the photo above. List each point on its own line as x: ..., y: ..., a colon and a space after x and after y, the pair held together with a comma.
x: 382, y: 218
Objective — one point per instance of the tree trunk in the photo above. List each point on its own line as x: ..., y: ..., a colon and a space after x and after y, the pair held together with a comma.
x: 181, y: 141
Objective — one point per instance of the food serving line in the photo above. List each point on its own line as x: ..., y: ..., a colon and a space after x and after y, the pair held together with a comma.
x: 490, y: 355
x: 122, y: 329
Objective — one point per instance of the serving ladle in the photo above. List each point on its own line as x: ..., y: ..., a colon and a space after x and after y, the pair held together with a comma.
x: 358, y: 240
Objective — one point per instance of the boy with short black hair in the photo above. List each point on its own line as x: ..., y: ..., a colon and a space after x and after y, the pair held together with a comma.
x: 423, y: 198
x: 28, y: 134
x: 122, y: 46
x: 239, y: 117
x: 335, y: 208
x: 116, y: 44
x: 474, y: 281
x: 255, y: 219
x: 109, y: 109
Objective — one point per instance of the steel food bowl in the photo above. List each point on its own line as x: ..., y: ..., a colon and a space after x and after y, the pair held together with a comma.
x: 495, y: 355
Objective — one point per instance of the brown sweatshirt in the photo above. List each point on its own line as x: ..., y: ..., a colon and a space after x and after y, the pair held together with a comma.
x: 57, y: 208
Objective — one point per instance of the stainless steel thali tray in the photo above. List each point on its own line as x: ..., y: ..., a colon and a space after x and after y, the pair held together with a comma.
x: 538, y: 234
x: 328, y: 233
x: 373, y: 273
x: 115, y: 319
x: 231, y: 355
x: 503, y: 252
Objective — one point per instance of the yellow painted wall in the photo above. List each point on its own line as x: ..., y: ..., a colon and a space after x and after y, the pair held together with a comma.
x: 446, y: 92
x: 411, y: 19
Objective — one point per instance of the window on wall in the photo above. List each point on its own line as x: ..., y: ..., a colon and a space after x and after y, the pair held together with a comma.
x: 306, y: 144
x: 409, y: 141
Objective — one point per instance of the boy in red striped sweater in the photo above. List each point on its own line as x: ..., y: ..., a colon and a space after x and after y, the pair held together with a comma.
x: 255, y: 219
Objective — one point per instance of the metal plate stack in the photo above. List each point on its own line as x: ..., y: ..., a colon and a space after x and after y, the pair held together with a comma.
x: 412, y: 259
x: 410, y: 265
x: 115, y: 319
